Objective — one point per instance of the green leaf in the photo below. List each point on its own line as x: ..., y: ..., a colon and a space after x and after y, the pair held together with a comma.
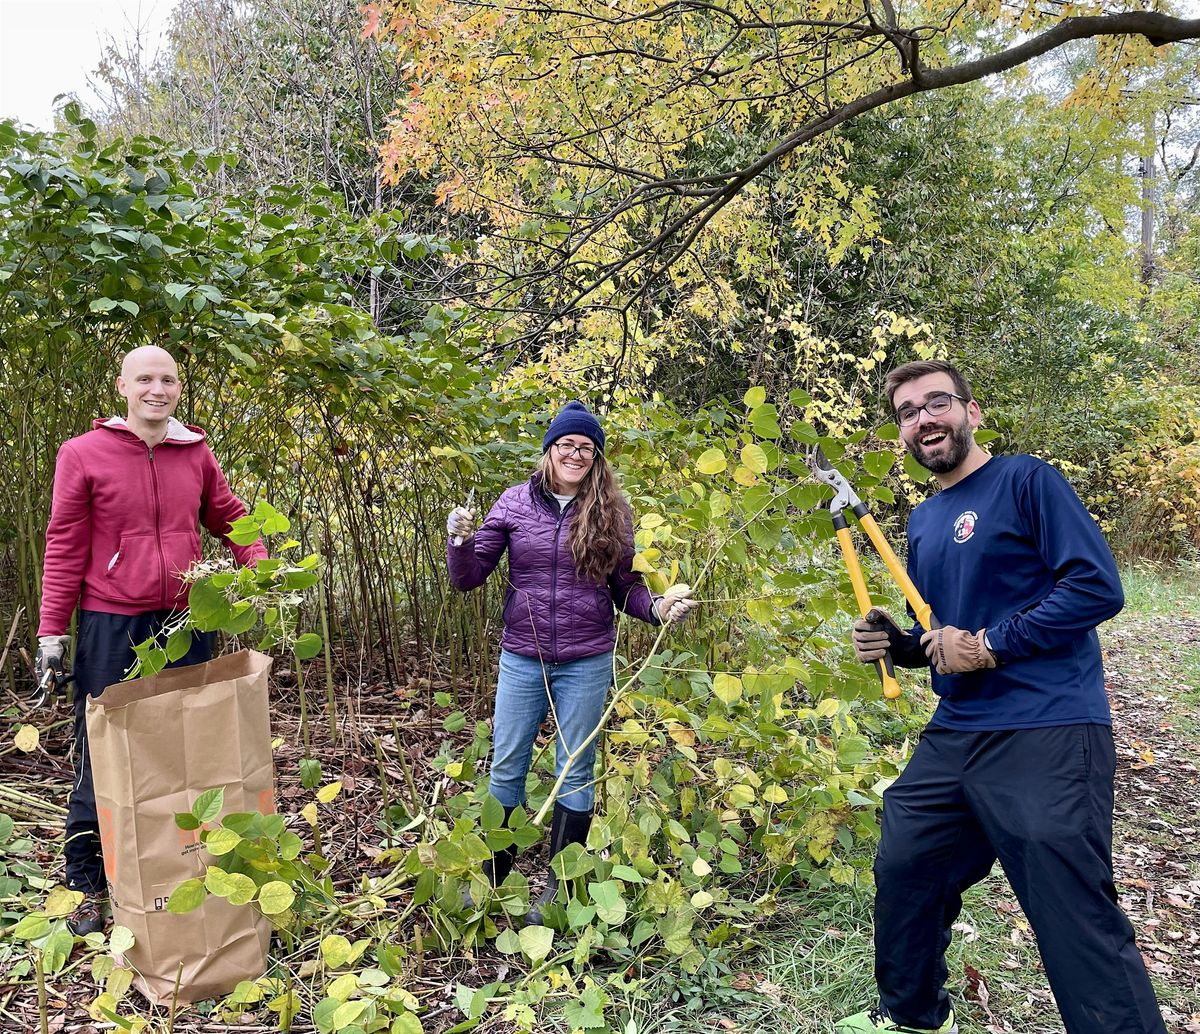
x: 492, y: 815
x: 187, y: 897
x: 57, y: 948
x: 7, y: 826
x: 536, y: 942
x: 587, y: 1011
x: 914, y: 470
x: 765, y: 421
x: 31, y: 927
x: 308, y: 645
x: 275, y: 897
x: 754, y: 397
x: 120, y: 940
x: 508, y: 942
x: 310, y: 773
x: 210, y: 609
x: 853, y: 750
x: 579, y: 914
x: 888, y: 432
x: 609, y: 901
x: 209, y: 804
x: 178, y: 644
x: 221, y: 841
x: 243, y: 618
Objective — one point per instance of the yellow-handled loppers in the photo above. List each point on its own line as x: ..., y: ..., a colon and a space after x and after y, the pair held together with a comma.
x: 845, y: 496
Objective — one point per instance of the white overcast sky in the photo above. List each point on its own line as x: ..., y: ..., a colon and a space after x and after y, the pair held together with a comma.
x: 49, y: 47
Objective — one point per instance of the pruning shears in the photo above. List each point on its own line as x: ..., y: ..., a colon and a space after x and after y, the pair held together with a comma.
x: 51, y: 685
x: 845, y: 496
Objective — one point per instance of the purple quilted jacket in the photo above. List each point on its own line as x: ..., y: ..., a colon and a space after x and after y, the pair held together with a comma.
x: 549, y: 611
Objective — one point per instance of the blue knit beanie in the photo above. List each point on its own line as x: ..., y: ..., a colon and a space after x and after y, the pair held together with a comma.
x: 574, y: 418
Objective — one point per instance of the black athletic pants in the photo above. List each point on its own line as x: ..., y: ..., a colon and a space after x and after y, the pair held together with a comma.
x: 1041, y: 801
x: 103, y: 652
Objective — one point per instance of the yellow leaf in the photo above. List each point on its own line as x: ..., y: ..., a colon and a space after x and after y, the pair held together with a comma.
x: 701, y: 868
x: 760, y: 610
x: 711, y: 462
x: 328, y: 792
x: 728, y: 688
x: 775, y: 794
x: 755, y: 457
x: 641, y: 564
x: 744, y: 476
x: 652, y: 520
x: 61, y: 902
x: 828, y: 707
x: 309, y: 811
x: 26, y: 738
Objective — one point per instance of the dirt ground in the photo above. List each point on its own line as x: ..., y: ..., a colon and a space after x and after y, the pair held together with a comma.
x: 1156, y: 843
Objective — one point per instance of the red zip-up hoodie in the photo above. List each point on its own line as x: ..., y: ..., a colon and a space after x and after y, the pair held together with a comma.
x: 124, y: 522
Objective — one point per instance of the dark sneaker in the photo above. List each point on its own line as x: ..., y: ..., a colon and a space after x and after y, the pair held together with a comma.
x: 89, y: 915
x: 877, y: 1021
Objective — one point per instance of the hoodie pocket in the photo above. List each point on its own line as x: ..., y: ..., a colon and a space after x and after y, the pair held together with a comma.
x: 133, y: 573
x: 136, y: 573
x: 181, y: 549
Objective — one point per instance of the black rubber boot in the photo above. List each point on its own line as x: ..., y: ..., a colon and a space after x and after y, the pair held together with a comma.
x: 496, y: 868
x: 567, y: 827
x: 500, y: 864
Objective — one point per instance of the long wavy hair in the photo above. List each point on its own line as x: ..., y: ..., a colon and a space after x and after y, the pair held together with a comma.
x: 598, y: 529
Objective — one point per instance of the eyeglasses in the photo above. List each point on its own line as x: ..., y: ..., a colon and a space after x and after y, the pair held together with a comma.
x: 935, y: 405
x: 568, y: 449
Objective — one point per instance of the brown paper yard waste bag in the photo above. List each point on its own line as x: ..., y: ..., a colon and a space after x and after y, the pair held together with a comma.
x: 156, y: 744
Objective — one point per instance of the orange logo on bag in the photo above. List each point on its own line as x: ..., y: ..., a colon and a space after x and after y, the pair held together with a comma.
x: 108, y: 843
x: 266, y: 801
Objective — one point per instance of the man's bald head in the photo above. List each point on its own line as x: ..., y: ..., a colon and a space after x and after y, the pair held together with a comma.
x: 149, y: 383
x: 137, y: 357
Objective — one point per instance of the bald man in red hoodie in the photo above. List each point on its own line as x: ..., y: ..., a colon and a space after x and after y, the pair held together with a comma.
x: 129, y: 498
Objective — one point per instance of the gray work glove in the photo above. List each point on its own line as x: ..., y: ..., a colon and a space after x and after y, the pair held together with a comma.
x: 50, y: 668
x: 871, y: 635
x: 675, y: 604
x: 461, y: 524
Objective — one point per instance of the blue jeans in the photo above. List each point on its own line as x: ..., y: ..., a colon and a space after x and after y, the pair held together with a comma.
x: 523, y: 695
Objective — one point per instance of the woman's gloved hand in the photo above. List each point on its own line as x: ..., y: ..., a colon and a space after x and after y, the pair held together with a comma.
x: 675, y: 604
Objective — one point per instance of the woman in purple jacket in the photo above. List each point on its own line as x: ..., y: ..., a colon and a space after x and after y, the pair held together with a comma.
x: 569, y: 536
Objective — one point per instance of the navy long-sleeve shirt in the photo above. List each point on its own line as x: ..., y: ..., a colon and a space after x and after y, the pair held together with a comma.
x: 1011, y: 548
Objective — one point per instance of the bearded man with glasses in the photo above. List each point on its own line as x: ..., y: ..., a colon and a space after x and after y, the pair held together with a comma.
x: 1017, y: 763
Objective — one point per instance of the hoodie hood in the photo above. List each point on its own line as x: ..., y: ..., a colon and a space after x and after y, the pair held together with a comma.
x: 178, y: 433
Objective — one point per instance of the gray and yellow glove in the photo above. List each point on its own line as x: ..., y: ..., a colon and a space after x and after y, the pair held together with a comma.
x: 49, y: 668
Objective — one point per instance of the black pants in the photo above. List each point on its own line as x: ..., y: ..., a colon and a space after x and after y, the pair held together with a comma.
x: 103, y: 653
x: 1040, y: 800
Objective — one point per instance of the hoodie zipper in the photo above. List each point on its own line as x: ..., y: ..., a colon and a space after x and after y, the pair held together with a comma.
x: 162, y: 563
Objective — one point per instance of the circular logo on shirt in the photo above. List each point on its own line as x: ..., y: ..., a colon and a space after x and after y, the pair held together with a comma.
x: 964, y: 526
